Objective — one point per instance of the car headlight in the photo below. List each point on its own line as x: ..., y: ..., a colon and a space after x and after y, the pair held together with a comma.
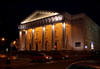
x: 46, y: 57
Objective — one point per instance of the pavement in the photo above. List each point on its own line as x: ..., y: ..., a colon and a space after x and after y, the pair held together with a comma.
x: 6, y: 63
x: 13, y: 63
x: 25, y: 61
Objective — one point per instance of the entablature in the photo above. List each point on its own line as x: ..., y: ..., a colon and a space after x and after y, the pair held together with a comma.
x: 42, y: 22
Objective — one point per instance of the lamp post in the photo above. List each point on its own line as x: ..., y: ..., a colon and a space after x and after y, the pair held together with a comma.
x: 2, y: 44
x: 9, y: 58
x: 12, y: 43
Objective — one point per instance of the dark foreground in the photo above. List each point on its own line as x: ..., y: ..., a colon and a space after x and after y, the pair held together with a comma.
x: 26, y: 63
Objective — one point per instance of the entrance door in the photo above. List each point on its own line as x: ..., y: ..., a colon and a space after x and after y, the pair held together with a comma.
x: 36, y: 47
x: 30, y: 47
x: 55, y: 45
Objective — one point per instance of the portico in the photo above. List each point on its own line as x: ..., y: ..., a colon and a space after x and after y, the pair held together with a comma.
x: 46, y: 31
x: 43, y: 38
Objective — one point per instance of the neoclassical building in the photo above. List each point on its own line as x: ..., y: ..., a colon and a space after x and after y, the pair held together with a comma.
x: 51, y: 30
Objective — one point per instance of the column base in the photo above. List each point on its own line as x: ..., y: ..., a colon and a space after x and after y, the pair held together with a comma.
x: 53, y: 49
x: 23, y: 49
x: 32, y: 49
x: 63, y: 49
x: 43, y: 49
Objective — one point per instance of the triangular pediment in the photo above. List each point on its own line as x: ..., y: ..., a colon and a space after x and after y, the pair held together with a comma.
x: 38, y: 15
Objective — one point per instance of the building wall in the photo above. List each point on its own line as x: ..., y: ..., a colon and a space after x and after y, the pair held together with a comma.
x: 77, y: 35
x: 48, y: 37
x: 92, y: 34
x: 23, y: 39
x: 80, y: 32
x: 38, y: 38
x: 68, y: 36
x: 28, y: 39
x: 58, y: 35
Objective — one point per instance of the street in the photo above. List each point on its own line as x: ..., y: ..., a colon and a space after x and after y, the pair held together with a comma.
x: 54, y: 64
x: 26, y: 63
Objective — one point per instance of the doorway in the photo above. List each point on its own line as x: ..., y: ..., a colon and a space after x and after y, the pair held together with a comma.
x: 30, y: 47
x: 36, y: 47
x: 55, y: 45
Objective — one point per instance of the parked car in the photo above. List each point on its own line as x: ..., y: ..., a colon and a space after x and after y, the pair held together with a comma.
x: 40, y: 57
x: 86, y: 64
x: 59, y: 55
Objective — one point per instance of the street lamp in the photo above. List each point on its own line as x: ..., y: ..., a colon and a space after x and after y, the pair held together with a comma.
x: 2, y: 43
x: 14, y: 42
x: 3, y: 39
x: 92, y: 47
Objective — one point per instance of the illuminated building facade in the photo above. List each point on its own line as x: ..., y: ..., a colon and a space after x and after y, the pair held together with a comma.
x: 50, y: 30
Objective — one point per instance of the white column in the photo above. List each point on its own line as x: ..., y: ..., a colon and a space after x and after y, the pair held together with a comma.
x: 53, y: 38
x: 20, y: 40
x: 32, y: 39
x: 63, y: 36
x: 43, y: 38
x: 25, y: 40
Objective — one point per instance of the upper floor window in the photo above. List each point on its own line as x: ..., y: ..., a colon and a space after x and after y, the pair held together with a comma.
x: 36, y: 35
x: 55, y: 33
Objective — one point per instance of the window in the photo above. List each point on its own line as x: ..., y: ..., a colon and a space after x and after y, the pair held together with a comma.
x: 30, y: 36
x: 78, y: 44
x: 36, y: 36
x: 55, y: 33
x: 46, y: 35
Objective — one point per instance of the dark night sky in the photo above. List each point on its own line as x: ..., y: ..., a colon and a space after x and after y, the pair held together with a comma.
x: 13, y: 12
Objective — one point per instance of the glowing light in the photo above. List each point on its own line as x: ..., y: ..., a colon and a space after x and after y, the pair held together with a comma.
x: 14, y: 57
x: 14, y: 42
x: 22, y: 22
x: 92, y: 46
x: 64, y: 25
x: 56, y: 13
x: 53, y: 26
x: 3, y: 39
x: 43, y: 28
x: 85, y: 47
x: 46, y: 57
x: 26, y: 31
x: 20, y: 32
x: 33, y: 30
x: 55, y: 46
x: 40, y: 15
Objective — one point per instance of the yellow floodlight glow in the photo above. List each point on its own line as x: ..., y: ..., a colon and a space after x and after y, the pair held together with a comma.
x: 43, y: 28
x: 53, y: 26
x: 3, y: 39
x: 33, y: 30
x: 56, y: 13
x: 14, y: 42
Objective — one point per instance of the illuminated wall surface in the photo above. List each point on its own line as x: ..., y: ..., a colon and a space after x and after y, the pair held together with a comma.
x: 50, y: 30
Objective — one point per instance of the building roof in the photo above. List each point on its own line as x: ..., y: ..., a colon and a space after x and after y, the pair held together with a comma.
x: 39, y: 14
